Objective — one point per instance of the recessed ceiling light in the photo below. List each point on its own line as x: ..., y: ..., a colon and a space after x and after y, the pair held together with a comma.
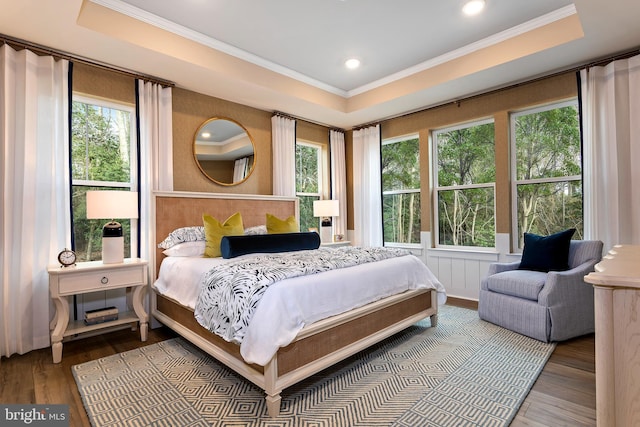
x: 205, y: 134
x: 473, y: 7
x: 352, y: 63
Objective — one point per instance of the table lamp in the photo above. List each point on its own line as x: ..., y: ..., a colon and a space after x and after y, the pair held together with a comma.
x: 112, y: 204
x: 325, y: 209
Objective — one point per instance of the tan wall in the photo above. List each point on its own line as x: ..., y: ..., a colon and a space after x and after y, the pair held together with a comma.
x: 312, y: 132
x: 104, y: 84
x: 497, y: 105
x: 190, y: 110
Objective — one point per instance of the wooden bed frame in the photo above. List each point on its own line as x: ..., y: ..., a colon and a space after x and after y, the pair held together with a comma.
x: 318, y: 345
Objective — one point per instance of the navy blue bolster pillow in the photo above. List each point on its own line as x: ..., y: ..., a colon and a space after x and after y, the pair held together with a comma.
x: 233, y: 246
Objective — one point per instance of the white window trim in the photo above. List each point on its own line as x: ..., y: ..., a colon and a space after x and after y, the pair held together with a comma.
x: 433, y: 140
x: 133, y: 141
x: 321, y: 168
x: 515, y: 238
x: 390, y: 141
x: 133, y: 157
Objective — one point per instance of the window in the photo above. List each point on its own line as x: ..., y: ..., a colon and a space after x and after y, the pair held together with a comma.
x: 464, y: 185
x: 103, y: 157
x: 309, y: 180
x: 547, y: 172
x: 401, y: 189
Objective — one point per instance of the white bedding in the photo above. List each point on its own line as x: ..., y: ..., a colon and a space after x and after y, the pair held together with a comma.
x: 289, y: 305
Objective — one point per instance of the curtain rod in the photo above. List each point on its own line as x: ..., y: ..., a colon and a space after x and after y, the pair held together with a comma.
x: 285, y: 115
x: 367, y: 125
x: 292, y: 117
x: 36, y: 48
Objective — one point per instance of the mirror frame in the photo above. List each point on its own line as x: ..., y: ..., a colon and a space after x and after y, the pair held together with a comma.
x: 195, y: 154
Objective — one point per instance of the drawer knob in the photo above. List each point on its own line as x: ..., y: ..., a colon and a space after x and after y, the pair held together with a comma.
x: 104, y: 280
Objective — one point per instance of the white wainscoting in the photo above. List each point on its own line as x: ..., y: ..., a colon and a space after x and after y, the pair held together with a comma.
x: 461, y: 271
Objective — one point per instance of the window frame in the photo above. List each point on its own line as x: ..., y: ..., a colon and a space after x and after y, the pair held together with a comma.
x: 436, y: 188
x: 515, y: 236
x: 323, y: 173
x: 395, y: 140
x: 133, y: 183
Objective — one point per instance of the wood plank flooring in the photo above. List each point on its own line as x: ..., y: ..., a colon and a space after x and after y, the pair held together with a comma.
x: 563, y: 395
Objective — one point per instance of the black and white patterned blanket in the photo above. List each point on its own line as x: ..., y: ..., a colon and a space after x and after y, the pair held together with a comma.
x: 230, y: 293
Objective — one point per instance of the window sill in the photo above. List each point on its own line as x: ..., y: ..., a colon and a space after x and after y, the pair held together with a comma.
x: 468, y: 253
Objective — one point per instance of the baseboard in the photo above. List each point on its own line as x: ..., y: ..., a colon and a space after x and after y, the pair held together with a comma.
x: 462, y: 302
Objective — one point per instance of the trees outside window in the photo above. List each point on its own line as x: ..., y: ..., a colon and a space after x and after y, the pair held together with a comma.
x: 547, y: 176
x: 401, y: 189
x: 102, y: 158
x: 308, y: 181
x: 464, y: 186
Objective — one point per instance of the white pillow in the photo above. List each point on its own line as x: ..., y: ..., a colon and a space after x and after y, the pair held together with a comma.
x: 258, y: 229
x: 183, y: 234
x: 186, y: 249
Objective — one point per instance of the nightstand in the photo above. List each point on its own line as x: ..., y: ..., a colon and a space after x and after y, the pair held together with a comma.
x: 94, y: 276
x: 336, y: 244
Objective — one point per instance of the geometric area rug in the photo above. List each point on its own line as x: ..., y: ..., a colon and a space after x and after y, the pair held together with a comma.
x: 464, y: 372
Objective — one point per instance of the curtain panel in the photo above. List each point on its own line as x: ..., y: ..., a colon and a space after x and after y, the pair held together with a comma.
x: 283, y: 143
x: 367, y: 187
x: 611, y: 137
x: 35, y: 220
x: 338, y: 180
x: 156, y: 156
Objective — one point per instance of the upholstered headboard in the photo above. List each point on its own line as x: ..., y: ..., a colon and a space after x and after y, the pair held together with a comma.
x: 182, y: 209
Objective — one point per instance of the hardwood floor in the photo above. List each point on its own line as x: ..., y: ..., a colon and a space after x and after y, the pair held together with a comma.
x: 563, y: 395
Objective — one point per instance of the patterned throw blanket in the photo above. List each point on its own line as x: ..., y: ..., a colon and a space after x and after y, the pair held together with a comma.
x: 230, y: 293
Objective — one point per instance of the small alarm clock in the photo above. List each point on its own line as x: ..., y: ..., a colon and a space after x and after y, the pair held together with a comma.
x: 67, y: 257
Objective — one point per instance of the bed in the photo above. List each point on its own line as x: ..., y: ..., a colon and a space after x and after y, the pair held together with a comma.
x: 316, y: 345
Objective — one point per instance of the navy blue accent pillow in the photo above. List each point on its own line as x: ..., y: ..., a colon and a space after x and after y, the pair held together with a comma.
x: 233, y: 246
x: 546, y: 253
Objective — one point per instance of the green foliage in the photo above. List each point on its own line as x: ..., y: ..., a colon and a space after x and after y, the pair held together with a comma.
x: 466, y: 156
x: 467, y: 217
x: 401, y: 209
x: 307, y: 183
x: 99, y: 153
x: 548, y: 147
x: 548, y: 144
x: 548, y: 208
x: 401, y: 165
x: 401, y: 216
x: 307, y: 168
x: 99, y: 143
x: 307, y: 220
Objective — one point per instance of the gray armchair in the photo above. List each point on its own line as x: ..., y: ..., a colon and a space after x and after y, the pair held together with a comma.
x: 552, y: 306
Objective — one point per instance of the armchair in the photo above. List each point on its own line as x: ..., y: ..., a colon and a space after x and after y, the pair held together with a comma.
x: 553, y: 306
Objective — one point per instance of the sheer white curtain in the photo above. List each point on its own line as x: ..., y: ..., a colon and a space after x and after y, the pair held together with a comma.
x: 283, y: 144
x: 240, y: 169
x: 367, y: 195
x: 611, y: 127
x: 338, y: 180
x: 156, y: 156
x: 35, y: 219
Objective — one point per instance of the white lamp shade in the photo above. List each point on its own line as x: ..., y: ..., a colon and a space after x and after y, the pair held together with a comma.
x: 111, y: 204
x: 324, y: 208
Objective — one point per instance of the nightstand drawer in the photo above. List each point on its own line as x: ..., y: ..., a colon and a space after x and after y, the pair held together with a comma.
x: 98, y: 280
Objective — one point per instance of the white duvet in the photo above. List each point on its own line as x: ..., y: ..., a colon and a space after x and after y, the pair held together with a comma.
x: 289, y: 305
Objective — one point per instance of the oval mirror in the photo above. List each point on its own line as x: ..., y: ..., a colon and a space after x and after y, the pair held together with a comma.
x: 224, y: 151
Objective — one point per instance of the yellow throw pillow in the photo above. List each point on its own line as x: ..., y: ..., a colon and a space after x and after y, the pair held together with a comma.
x: 276, y: 225
x: 214, y: 231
